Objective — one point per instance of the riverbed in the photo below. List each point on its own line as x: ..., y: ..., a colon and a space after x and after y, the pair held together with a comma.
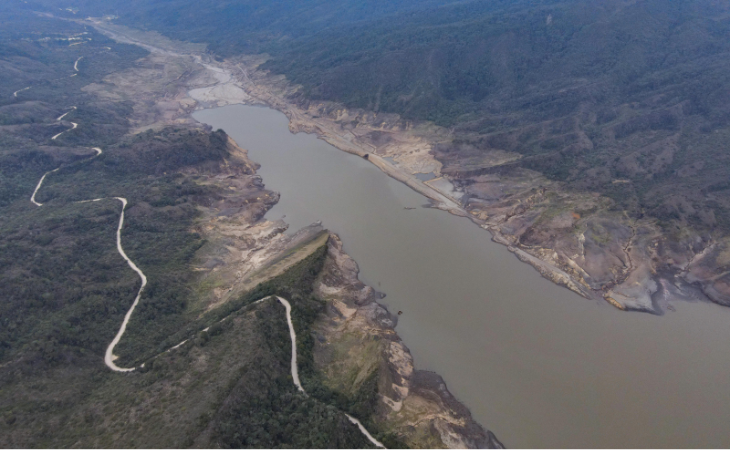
x: 535, y: 363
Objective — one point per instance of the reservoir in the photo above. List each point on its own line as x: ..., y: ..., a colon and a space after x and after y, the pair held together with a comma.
x: 535, y: 363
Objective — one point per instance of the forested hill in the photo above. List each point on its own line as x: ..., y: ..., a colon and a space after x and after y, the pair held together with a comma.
x: 441, y: 59
x: 537, y: 59
x: 610, y: 79
x: 626, y: 99
x: 235, y: 26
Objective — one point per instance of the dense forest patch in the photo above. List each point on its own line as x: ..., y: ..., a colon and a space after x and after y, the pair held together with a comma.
x: 624, y: 98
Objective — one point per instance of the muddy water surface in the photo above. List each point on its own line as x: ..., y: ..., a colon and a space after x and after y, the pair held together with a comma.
x: 535, y: 363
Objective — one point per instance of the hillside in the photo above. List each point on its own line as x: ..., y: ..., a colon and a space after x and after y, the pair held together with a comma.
x: 613, y: 113
x: 100, y: 163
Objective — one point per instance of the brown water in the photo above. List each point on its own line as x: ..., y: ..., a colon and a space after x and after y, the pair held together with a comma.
x: 535, y: 363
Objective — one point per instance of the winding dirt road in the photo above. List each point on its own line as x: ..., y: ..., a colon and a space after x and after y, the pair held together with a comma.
x: 73, y: 108
x: 293, y: 336
x: 38, y: 186
x: 364, y: 431
x: 40, y: 182
x: 15, y: 94
x: 73, y: 127
x: 73, y: 124
x: 295, y: 371
x: 294, y: 364
x: 109, y: 357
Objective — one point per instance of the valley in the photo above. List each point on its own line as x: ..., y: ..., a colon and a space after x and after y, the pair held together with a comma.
x: 578, y: 240
x: 261, y: 165
x: 610, y: 337
x: 191, y: 229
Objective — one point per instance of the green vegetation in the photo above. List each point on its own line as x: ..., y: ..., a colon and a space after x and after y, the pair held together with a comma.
x: 65, y: 289
x: 42, y: 60
x: 64, y: 235
x: 625, y: 98
x: 296, y: 285
x: 587, y: 92
x: 228, y: 387
x: 295, y: 419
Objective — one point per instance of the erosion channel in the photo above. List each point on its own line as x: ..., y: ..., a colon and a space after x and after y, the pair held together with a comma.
x: 535, y: 363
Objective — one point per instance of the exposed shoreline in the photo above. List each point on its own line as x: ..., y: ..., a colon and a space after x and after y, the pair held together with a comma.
x: 634, y: 282
x: 625, y: 381
x: 441, y: 200
x: 625, y: 271
x: 454, y: 425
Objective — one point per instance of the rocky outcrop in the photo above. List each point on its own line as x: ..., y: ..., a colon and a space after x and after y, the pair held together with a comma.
x: 577, y: 239
x: 356, y: 340
x: 355, y: 337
